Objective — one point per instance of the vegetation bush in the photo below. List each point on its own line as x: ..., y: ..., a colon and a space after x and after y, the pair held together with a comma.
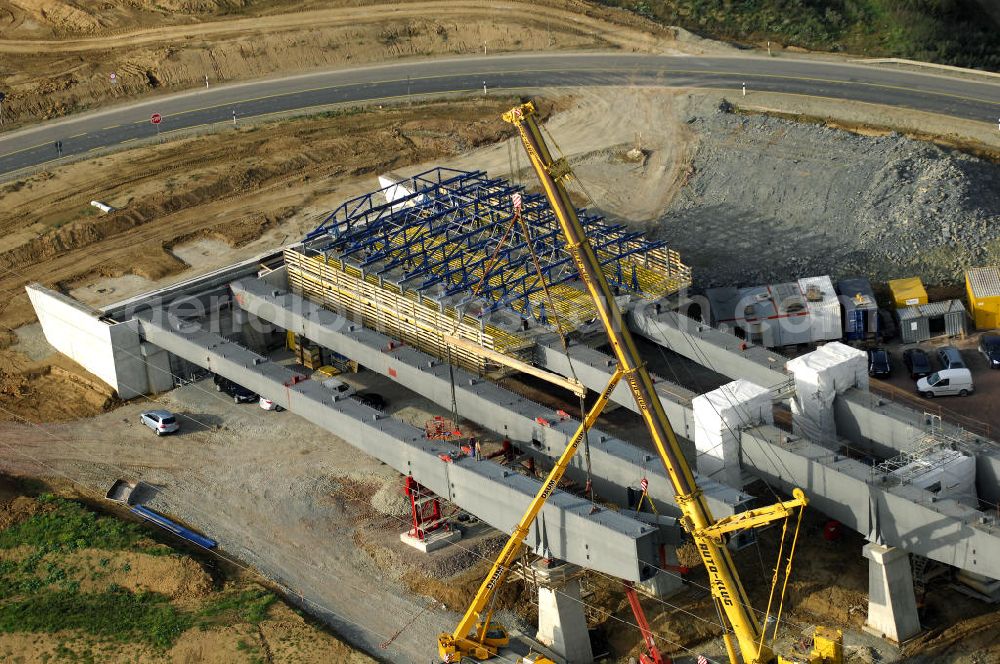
x: 249, y: 605
x: 116, y: 614
x: 38, y: 593
x: 955, y: 32
x: 67, y: 526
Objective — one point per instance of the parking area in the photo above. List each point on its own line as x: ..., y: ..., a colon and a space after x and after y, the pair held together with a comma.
x: 300, y: 505
x: 977, y: 412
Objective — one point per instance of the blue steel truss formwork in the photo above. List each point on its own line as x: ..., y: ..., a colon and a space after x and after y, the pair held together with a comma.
x: 451, y: 236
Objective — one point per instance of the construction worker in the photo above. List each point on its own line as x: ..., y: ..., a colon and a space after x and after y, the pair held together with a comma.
x: 479, y: 450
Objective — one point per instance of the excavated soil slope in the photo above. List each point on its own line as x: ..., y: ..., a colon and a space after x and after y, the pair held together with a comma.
x: 57, y: 57
x: 772, y: 200
x: 211, y: 200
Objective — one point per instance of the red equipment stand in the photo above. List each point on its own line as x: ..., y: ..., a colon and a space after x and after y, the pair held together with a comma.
x: 425, y: 508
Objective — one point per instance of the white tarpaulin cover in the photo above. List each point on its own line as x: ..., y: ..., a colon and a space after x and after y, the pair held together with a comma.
x: 395, y: 189
x: 718, y: 417
x: 819, y: 377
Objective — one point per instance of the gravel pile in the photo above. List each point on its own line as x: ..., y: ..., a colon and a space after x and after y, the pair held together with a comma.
x: 390, y: 499
x: 772, y: 200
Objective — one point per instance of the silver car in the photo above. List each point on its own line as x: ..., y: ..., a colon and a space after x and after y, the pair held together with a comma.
x: 160, y: 421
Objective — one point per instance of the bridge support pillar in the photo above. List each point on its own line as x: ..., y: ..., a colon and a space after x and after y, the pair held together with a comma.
x: 562, y: 623
x: 892, y: 606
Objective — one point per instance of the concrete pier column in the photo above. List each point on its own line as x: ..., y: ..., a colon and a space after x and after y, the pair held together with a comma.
x: 562, y: 623
x: 892, y: 606
x: 819, y: 377
x: 719, y: 416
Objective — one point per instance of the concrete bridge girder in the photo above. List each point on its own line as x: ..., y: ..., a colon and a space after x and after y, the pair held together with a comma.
x: 616, y: 464
x: 604, y: 541
x: 868, y: 421
x: 945, y: 531
x: 907, y: 517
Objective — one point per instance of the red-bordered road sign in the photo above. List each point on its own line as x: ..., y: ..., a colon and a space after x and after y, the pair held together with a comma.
x: 155, y: 118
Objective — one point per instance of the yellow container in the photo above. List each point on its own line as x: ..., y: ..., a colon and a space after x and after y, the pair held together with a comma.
x: 907, y: 292
x: 982, y: 286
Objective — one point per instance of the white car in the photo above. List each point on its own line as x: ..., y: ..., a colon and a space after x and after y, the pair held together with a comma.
x: 267, y: 404
x: 160, y: 421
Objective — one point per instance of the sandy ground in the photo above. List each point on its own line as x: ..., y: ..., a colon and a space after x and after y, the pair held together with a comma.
x: 298, y: 504
x: 56, y: 57
x: 194, y: 205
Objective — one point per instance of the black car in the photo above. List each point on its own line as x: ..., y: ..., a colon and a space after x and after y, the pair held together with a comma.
x: 376, y: 401
x: 989, y: 346
x: 917, y: 362
x: 239, y: 393
x: 879, y: 364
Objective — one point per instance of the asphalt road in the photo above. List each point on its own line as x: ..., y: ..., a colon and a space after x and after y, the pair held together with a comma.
x: 966, y: 98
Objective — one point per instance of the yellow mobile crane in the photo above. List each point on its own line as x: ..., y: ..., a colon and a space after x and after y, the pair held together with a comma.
x: 475, y: 636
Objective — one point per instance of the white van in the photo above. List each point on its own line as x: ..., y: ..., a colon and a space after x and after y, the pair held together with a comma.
x: 945, y: 382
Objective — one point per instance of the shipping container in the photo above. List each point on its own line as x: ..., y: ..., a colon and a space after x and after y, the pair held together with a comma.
x: 982, y: 286
x: 908, y: 292
x: 859, y: 308
x: 936, y: 319
x: 806, y: 311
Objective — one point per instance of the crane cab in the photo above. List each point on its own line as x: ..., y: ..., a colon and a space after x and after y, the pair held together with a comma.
x: 477, y: 646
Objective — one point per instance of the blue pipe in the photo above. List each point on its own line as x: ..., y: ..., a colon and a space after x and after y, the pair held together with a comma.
x: 175, y: 528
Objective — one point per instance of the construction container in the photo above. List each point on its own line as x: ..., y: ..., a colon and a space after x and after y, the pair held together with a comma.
x: 982, y: 286
x: 824, y: 307
x: 936, y: 319
x: 777, y: 315
x: 907, y: 292
x: 860, y: 309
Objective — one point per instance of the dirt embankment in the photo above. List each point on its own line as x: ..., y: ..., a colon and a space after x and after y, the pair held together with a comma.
x: 57, y: 58
x: 767, y: 199
x: 75, y: 585
x: 206, y: 201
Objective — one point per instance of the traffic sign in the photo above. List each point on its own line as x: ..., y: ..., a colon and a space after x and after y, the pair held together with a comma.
x: 114, y: 77
x: 155, y: 118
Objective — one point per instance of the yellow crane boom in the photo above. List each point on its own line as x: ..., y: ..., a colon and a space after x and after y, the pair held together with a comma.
x: 697, y: 519
x: 473, y: 637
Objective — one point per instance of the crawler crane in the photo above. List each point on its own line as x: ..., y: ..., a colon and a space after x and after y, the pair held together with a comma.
x: 476, y: 636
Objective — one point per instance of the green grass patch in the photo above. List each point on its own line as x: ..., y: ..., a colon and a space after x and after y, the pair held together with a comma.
x: 116, y: 615
x: 39, y: 591
x: 249, y: 605
x: 69, y: 526
x: 954, y: 32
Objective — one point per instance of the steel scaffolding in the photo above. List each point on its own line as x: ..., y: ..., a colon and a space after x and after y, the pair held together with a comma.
x: 450, y: 236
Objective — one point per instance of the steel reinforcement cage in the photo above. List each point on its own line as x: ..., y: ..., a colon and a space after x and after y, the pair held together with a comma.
x: 408, y: 257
